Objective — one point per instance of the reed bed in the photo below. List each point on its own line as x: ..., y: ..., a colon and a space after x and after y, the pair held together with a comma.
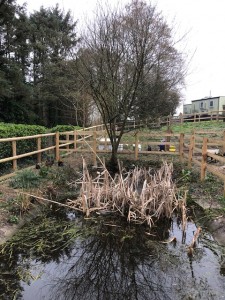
x: 140, y: 194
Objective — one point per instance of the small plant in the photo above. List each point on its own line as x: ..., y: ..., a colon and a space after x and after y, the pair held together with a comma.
x: 25, y: 179
x: 185, y: 177
x: 13, y: 219
x: 44, y: 170
x: 18, y: 205
x: 221, y: 199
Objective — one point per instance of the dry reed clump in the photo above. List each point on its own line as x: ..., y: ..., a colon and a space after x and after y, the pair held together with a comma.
x: 136, y: 194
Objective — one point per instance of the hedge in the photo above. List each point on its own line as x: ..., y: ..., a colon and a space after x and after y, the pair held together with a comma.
x: 8, y: 130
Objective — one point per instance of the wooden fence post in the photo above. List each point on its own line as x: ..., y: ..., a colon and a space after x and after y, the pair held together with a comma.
x: 224, y: 188
x: 39, y: 148
x: 94, y: 148
x: 106, y: 147
x: 168, y: 138
x: 136, y: 147
x: 75, y: 140
x: 57, y: 156
x: 204, y: 158
x: 191, y: 150
x: 14, y: 154
x: 223, y: 142
x: 217, y: 116
x: 181, y: 118
x: 67, y: 140
x: 181, y: 147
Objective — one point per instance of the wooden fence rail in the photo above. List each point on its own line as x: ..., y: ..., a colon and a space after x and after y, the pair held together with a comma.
x: 193, y: 148
x: 196, y: 117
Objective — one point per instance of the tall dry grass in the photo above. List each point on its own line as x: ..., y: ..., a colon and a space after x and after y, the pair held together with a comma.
x: 140, y: 194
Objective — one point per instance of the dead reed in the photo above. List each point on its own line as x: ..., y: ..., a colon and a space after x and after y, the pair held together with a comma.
x: 138, y: 194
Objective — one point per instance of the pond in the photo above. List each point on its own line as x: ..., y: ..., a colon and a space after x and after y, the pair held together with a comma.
x: 68, y: 257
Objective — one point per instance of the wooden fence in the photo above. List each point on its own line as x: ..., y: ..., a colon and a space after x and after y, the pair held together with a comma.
x: 194, y: 148
x: 196, y: 117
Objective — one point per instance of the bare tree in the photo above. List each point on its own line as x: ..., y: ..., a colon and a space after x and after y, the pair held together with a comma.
x: 122, y: 48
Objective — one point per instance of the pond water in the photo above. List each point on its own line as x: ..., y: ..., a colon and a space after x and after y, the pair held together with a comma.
x: 101, y: 260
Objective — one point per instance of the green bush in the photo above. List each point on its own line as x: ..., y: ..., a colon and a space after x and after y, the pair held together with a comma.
x: 17, y: 130
x: 25, y: 179
x: 62, y: 128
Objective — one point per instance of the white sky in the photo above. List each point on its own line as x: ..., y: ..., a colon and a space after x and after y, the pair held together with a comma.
x: 204, y: 20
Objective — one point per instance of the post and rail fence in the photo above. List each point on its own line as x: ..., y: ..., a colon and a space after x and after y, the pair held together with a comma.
x: 195, y: 148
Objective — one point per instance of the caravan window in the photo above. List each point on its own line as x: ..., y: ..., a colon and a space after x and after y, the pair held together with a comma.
x: 201, y: 105
x: 211, y: 103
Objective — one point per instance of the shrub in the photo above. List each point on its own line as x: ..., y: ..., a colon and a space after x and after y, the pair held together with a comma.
x: 17, y: 130
x: 25, y: 179
x: 62, y: 128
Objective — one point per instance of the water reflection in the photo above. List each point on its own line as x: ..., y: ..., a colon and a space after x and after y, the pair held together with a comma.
x: 117, y: 261
x: 125, y: 264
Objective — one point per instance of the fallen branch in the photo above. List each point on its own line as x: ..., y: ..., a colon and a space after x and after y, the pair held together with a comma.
x: 194, y: 240
x: 48, y: 200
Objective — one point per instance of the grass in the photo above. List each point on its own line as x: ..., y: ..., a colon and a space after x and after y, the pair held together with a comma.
x: 187, y: 127
x: 25, y: 179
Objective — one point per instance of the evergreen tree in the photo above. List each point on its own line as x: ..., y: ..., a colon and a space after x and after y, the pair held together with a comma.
x: 52, y: 40
x: 14, y: 52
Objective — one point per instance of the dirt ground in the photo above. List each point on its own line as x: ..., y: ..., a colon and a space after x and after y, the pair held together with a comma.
x: 216, y: 223
x: 6, y: 229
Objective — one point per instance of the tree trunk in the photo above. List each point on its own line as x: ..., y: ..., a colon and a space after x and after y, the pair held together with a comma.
x: 112, y: 165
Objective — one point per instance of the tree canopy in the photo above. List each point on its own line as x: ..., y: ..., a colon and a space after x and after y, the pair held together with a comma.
x: 131, y: 65
x: 125, y: 65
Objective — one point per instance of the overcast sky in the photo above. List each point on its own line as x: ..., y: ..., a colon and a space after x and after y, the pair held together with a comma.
x: 203, y: 20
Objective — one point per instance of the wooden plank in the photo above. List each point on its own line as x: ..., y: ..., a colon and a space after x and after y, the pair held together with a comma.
x: 159, y: 152
x: 84, y: 133
x: 157, y: 143
x: 204, y: 158
x: 159, y: 135
x: 26, y: 154
x: 75, y: 140
x: 14, y: 155
x: 20, y: 138
x: 94, y: 149
x: 212, y: 142
x: 66, y: 144
x: 57, y: 146
x: 206, y: 132
x: 191, y: 150
x: 216, y: 157
x: 224, y: 142
x: 136, y: 147
x: 181, y: 147
x: 215, y: 171
x: 39, y: 148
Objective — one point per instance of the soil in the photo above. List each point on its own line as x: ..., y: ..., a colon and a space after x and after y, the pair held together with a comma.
x: 198, y: 193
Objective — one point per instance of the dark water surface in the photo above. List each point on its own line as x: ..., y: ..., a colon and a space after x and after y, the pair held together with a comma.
x: 123, y: 262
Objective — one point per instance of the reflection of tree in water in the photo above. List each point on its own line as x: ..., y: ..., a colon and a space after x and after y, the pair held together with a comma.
x: 45, y: 239
x: 105, y: 262
x: 115, y: 263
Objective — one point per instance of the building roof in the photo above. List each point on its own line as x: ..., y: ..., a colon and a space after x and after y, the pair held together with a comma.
x: 207, y: 98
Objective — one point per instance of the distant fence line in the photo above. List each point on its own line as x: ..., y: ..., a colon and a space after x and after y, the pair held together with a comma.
x: 196, y: 117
